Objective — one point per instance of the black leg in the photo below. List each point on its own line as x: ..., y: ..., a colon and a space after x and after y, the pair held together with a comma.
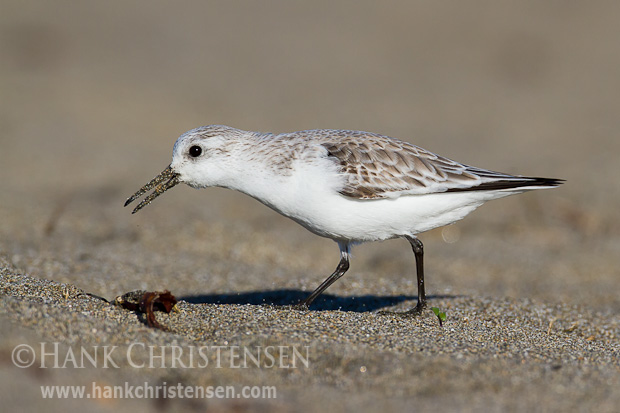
x: 418, y: 251
x: 343, y: 266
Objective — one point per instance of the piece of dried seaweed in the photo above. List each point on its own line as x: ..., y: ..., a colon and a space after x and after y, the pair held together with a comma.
x: 147, y: 302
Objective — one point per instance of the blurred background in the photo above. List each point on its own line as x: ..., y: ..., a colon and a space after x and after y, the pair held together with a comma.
x: 94, y: 94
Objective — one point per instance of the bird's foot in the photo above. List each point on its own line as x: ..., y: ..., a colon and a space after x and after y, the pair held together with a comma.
x: 290, y: 307
x: 414, y: 312
x: 300, y: 307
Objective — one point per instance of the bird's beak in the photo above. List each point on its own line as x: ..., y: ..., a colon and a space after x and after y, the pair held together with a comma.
x: 162, y: 182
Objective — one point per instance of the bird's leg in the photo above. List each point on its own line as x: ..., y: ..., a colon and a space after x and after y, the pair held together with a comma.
x: 343, y: 266
x: 418, y: 251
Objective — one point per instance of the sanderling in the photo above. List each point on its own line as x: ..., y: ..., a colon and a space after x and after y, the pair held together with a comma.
x: 349, y: 186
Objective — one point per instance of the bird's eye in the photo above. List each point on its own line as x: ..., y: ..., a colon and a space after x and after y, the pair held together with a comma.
x: 195, y: 151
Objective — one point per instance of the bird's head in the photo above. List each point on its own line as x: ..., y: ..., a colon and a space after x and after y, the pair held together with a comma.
x: 200, y: 158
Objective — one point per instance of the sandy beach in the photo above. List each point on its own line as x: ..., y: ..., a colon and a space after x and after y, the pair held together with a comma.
x: 94, y: 96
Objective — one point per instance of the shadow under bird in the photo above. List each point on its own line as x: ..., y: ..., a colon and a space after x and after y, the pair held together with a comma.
x: 350, y: 186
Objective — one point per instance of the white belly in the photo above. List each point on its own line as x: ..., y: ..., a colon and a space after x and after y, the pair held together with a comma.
x: 354, y: 220
x: 310, y: 197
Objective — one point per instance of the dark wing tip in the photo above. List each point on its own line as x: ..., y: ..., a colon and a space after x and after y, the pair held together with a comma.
x: 537, y: 181
x: 524, y: 182
x: 551, y: 181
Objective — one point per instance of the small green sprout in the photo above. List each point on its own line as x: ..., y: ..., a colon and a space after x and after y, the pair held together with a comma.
x: 441, y: 316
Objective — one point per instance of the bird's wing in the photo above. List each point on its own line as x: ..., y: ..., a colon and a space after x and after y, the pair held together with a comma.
x: 377, y: 166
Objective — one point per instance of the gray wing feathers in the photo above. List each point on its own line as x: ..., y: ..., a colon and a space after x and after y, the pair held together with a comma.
x: 376, y: 166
